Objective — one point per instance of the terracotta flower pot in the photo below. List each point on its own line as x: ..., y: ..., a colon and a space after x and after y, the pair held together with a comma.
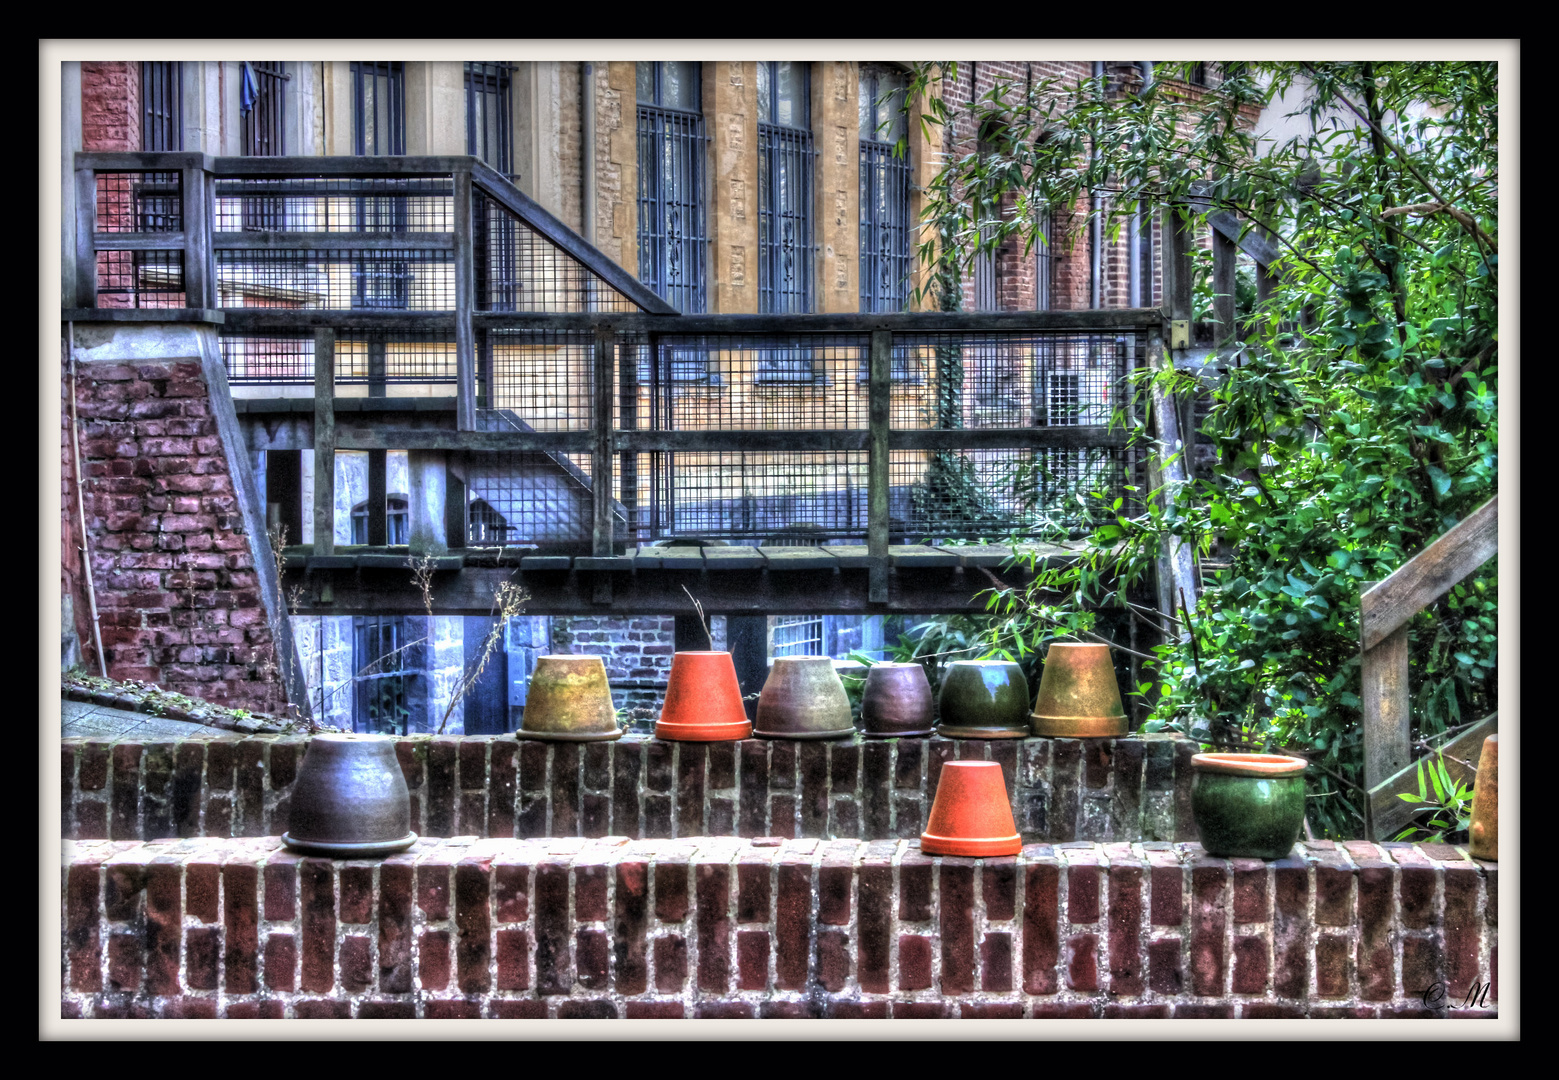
x: 897, y: 701
x: 703, y: 700
x: 971, y: 814
x: 1483, y: 832
x: 1248, y: 805
x: 350, y: 800
x: 803, y: 699
x: 569, y: 701
x: 983, y: 699
x: 1079, y: 697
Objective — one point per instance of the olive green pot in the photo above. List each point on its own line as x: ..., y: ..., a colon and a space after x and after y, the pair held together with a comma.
x: 983, y: 699
x: 1247, y: 816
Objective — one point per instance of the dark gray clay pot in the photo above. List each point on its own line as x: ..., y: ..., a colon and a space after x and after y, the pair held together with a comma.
x: 350, y: 799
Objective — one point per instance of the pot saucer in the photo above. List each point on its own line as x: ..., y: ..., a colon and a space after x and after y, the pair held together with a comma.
x: 370, y: 850
x: 838, y: 733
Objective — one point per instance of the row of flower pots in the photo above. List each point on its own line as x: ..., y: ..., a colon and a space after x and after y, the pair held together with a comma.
x: 803, y: 698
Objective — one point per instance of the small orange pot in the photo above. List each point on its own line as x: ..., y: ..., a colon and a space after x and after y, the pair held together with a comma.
x: 971, y: 814
x: 703, y: 700
x: 1483, y: 831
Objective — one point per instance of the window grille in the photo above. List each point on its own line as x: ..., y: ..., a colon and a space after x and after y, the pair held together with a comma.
x: 798, y: 635
x: 381, y: 681
x: 885, y: 220
x: 262, y: 105
x: 162, y: 106
x: 488, y: 526
x: 785, y: 158
x: 1145, y: 250
x: 397, y: 515
x: 1044, y: 263
x: 987, y: 287
x: 378, y: 108
x: 673, y: 244
x: 488, y: 115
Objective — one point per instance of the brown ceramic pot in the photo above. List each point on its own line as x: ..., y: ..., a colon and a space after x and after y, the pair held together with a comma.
x: 971, y: 814
x: 897, y: 701
x: 1079, y: 697
x: 1483, y: 832
x: 703, y: 700
x: 350, y: 800
x: 569, y: 701
x: 803, y: 699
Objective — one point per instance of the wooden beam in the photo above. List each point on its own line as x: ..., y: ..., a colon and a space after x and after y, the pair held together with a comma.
x: 1387, y: 713
x: 142, y: 241
x: 1225, y: 258
x: 1429, y: 575
x: 878, y: 477
x: 314, y: 241
x: 1390, y: 815
x: 1177, y: 561
x: 324, y: 442
x: 199, y: 264
x: 603, y: 383
x: 1178, y: 274
x: 86, y: 252
x: 1254, y: 241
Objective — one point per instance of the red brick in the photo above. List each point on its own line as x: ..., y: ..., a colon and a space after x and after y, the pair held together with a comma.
x: 281, y: 872
x: 1463, y: 924
x: 164, y: 923
x: 857, y: 1010
x: 357, y: 894
x: 587, y: 1010
x: 395, y: 888
x: 996, y: 962
x: 433, y: 959
x: 1331, y: 966
x: 712, y: 881
x: 833, y: 959
x: 956, y: 886
x: 1333, y: 895
x: 93, y: 774
x: 835, y: 882
x: 1290, y: 928
x: 513, y: 948
x: 873, y: 924
x: 1136, y: 1012
x: 201, y: 958
x: 671, y: 887
x: 654, y: 1010
x: 629, y: 929
x: 1041, y: 946
x: 998, y: 887
x: 554, y: 972
x: 1250, y: 965
x: 511, y: 882
x: 590, y: 958
x: 1209, y: 878
x: 433, y: 888
x: 268, y: 1009
x: 1418, y: 893
x: 1164, y: 968
x: 1058, y: 1011
x: 1082, y: 882
x: 356, y: 963
x: 387, y: 1010
x: 1125, y: 934
x: 914, y: 887
x: 752, y: 959
x: 1083, y: 962
x: 914, y: 962
x: 670, y: 963
x: 502, y: 786
x: 1421, y: 965
x: 724, y: 1010
x: 191, y: 1008
x: 752, y: 891
x: 281, y: 961
x: 793, y: 923
x: 124, y: 962
x: 318, y: 900
x: 1204, y: 1012
x: 1377, y: 975
x: 83, y: 947
x: 991, y: 1011
x: 1250, y: 890
x: 590, y: 892
x: 473, y: 923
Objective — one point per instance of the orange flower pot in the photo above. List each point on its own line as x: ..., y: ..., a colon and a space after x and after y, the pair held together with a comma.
x: 1483, y: 831
x: 971, y: 814
x: 703, y: 700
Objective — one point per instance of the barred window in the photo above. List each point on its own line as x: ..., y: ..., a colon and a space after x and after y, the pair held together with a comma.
x: 262, y: 105
x: 673, y: 244
x: 1044, y: 262
x: 488, y: 115
x: 378, y: 108
x: 381, y: 680
x: 162, y: 105
x: 885, y: 220
x: 785, y: 158
x: 488, y: 526
x: 798, y: 635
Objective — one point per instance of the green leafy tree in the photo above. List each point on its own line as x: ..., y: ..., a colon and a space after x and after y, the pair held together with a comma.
x: 1355, y: 425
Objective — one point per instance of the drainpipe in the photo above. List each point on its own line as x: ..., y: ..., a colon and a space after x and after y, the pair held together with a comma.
x: 1134, y: 255
x: 587, y: 151
x: 81, y: 506
x: 1096, y: 233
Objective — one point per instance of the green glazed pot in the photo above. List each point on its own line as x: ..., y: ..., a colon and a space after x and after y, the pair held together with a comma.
x: 983, y: 699
x: 1248, y: 805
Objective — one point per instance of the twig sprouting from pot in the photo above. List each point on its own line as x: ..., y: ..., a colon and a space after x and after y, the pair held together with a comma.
x: 701, y: 621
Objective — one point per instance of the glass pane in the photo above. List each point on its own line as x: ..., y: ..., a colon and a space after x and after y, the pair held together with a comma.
x: 370, y: 146
x: 868, y: 85
x: 765, y: 67
x: 382, y: 120
x: 891, y: 91
x: 646, y: 82
x: 790, y: 93
x: 679, y: 82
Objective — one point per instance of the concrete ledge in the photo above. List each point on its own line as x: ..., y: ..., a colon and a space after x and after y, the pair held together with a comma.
x: 716, y: 927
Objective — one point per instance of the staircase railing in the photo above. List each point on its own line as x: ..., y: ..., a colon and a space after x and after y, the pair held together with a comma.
x: 1386, y: 610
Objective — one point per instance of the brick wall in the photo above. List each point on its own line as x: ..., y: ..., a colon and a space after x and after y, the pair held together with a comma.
x: 1061, y: 789
x: 178, y: 600
x: 728, y: 928
x: 110, y: 105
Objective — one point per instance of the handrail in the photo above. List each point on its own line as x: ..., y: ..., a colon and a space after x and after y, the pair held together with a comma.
x: 1385, y: 610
